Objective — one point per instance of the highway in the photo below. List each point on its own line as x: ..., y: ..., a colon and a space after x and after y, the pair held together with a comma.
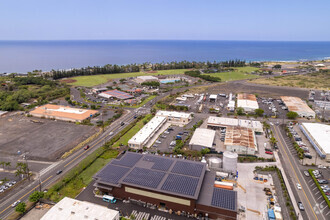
x: 49, y: 177
x: 294, y: 172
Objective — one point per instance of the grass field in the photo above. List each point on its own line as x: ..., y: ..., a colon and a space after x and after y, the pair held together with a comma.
x: 311, y: 81
x: 94, y: 80
x: 239, y: 74
x: 124, y: 139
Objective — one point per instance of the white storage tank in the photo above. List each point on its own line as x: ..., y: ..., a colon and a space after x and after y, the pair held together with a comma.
x: 214, y: 162
x: 230, y: 161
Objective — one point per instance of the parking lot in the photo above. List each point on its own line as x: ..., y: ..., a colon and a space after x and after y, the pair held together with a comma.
x: 272, y: 107
x: 7, y: 180
x: 40, y: 139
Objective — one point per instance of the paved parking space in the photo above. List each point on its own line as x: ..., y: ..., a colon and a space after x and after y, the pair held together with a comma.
x: 267, y: 104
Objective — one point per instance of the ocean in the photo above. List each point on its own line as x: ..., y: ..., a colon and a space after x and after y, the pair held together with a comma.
x: 24, y: 56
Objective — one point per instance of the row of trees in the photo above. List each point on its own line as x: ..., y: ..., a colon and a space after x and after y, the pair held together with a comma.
x: 196, y: 73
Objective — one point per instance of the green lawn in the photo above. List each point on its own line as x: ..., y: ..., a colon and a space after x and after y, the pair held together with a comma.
x: 124, y: 139
x: 240, y: 73
x: 94, y: 80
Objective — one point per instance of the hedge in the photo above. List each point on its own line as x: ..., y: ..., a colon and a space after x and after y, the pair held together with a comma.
x: 319, y: 187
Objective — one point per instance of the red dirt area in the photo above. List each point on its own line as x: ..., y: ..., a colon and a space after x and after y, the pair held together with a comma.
x: 68, y: 80
x: 151, y: 72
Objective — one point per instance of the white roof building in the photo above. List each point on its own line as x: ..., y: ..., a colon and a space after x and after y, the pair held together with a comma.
x: 213, y: 121
x: 319, y: 136
x: 141, y: 79
x: 202, y: 138
x: 177, y: 118
x: 213, y: 97
x: 231, y: 105
x: 72, y: 209
x: 142, y: 137
x: 295, y: 104
x: 247, y: 101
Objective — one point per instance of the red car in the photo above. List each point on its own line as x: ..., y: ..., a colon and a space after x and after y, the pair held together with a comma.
x: 269, y: 152
x: 86, y: 148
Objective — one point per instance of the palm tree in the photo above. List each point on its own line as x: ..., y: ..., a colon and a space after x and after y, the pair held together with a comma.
x: 7, y: 164
x: 4, y: 180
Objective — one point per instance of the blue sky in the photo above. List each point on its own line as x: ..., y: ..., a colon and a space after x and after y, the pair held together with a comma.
x: 165, y: 19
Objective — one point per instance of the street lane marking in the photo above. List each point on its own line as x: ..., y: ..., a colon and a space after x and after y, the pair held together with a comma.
x: 26, y: 194
x: 280, y: 141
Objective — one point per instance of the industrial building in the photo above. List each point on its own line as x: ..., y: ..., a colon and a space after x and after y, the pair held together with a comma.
x: 142, y: 79
x: 64, y: 113
x: 295, y: 104
x: 240, y: 140
x: 231, y: 106
x: 115, y: 94
x: 202, y: 138
x: 140, y: 139
x: 72, y: 209
x: 176, y: 118
x: 168, y: 184
x: 213, y: 97
x: 247, y: 101
x: 318, y: 135
x: 222, y: 122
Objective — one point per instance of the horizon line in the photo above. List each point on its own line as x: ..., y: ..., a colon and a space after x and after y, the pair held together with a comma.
x: 167, y: 40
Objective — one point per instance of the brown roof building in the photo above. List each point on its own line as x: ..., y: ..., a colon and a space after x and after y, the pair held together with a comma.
x: 64, y: 113
x: 295, y: 104
x: 240, y: 140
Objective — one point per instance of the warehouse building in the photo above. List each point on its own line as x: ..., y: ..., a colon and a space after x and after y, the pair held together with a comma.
x: 240, y: 140
x: 318, y: 135
x: 247, y: 101
x: 64, y: 113
x: 115, y: 94
x: 222, y: 122
x: 168, y: 184
x: 202, y: 138
x: 213, y: 97
x: 140, y: 139
x: 142, y: 79
x: 295, y: 104
x: 176, y: 118
x: 72, y: 209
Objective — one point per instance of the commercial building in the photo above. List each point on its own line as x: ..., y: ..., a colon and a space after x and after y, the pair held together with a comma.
x: 98, y: 90
x: 247, y: 101
x: 72, y: 209
x: 202, y: 138
x: 64, y: 113
x: 176, y: 118
x: 142, y: 79
x: 140, y: 139
x: 231, y: 106
x: 295, y: 104
x: 222, y: 122
x: 318, y: 135
x: 115, y: 94
x: 213, y: 97
x: 240, y: 140
x: 168, y: 184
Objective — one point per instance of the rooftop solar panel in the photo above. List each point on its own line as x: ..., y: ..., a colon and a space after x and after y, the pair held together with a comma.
x: 224, y: 199
x: 188, y: 168
x: 112, y: 173
x: 162, y: 164
x: 180, y: 184
x: 144, y: 177
x: 128, y: 160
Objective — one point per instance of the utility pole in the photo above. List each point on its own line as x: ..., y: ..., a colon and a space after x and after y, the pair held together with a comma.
x: 39, y: 182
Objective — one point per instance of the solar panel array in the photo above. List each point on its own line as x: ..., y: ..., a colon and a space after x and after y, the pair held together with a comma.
x: 224, y: 199
x: 128, y: 160
x: 112, y: 173
x: 162, y: 164
x: 119, y: 94
x: 180, y: 184
x: 187, y: 168
x: 144, y: 177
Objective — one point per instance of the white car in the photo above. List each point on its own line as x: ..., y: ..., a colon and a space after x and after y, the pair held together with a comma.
x: 298, y: 186
x: 15, y: 203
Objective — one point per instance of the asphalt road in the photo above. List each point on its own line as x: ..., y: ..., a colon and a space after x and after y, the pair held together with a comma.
x: 293, y: 170
x: 49, y: 177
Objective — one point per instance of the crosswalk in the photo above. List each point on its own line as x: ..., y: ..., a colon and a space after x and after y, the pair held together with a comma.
x: 45, y: 170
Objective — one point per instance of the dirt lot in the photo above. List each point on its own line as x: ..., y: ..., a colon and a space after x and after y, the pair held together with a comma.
x: 43, y: 139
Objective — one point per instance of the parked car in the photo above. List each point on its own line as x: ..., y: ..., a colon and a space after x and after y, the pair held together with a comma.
x: 269, y: 152
x: 158, y: 142
x: 166, y: 132
x: 306, y: 173
x: 268, y: 149
x: 301, y: 206
x: 322, y: 181
x: 307, y: 155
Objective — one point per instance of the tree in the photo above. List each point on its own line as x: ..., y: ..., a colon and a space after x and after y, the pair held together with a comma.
x: 240, y: 111
x: 22, y: 168
x: 277, y: 66
x: 21, y: 208
x: 36, y: 196
x: 205, y: 151
x: 273, y: 141
x: 259, y: 112
x: 292, y: 115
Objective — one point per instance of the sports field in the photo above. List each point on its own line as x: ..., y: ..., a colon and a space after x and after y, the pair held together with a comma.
x: 94, y: 80
x: 239, y: 74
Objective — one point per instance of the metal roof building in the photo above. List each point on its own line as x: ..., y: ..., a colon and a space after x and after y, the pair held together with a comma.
x: 170, y: 183
x: 115, y: 94
x: 72, y: 209
x: 295, y: 104
x: 177, y: 118
x: 247, y: 101
x: 141, y: 79
x: 319, y: 136
x: 214, y: 122
x: 202, y: 138
x: 141, y: 138
x: 240, y: 140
